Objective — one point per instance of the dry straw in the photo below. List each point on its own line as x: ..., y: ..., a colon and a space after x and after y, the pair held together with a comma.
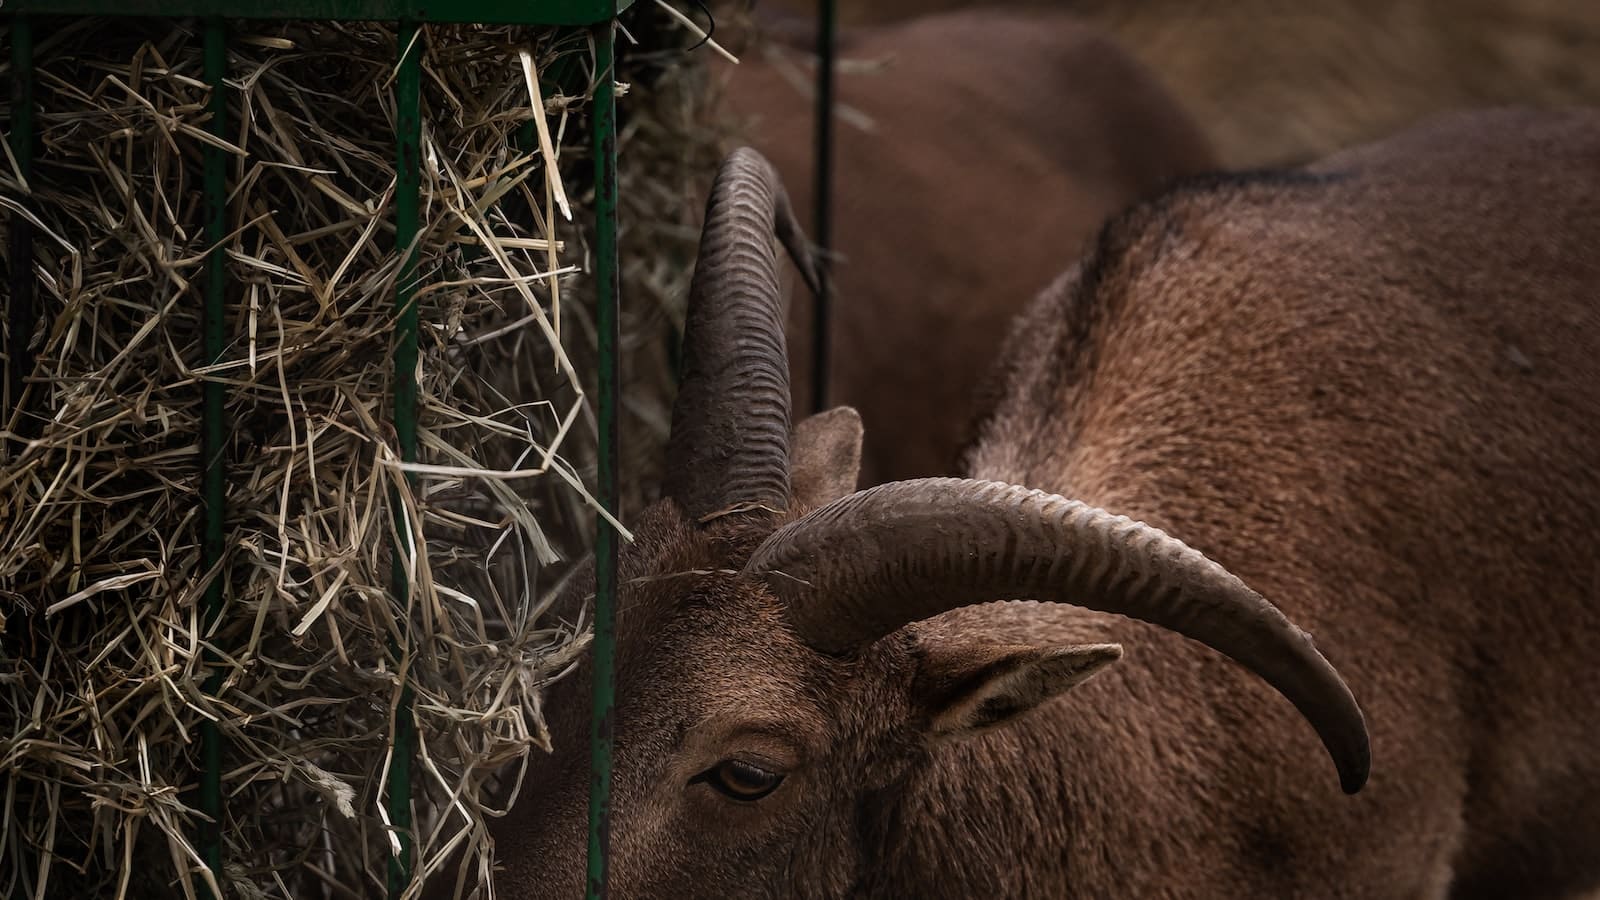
x: 100, y: 576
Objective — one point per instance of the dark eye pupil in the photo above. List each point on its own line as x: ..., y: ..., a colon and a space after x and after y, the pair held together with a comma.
x: 743, y: 781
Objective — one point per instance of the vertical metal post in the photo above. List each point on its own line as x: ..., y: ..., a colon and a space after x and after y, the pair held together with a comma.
x: 822, y: 196
x: 212, y: 431
x: 19, y: 312
x: 608, y: 298
x: 408, y: 184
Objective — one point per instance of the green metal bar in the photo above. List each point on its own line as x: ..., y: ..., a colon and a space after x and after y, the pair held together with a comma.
x: 408, y: 185
x: 19, y: 308
x: 822, y: 199
x: 489, y: 12
x: 213, y: 431
x: 609, y: 300
x: 21, y: 136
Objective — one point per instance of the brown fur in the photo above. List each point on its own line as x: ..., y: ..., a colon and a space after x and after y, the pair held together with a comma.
x: 1370, y: 389
x: 1000, y: 144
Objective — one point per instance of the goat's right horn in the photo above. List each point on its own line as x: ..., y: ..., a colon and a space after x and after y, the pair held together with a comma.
x: 729, y: 445
x: 867, y: 564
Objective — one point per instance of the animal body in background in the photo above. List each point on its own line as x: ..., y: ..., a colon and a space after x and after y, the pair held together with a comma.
x: 998, y: 143
x: 1276, y: 82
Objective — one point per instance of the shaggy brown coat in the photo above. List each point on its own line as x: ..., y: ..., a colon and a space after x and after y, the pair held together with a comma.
x: 1371, y: 389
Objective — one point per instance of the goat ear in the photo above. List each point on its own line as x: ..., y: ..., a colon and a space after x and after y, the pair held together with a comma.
x: 966, y: 689
x: 825, y: 457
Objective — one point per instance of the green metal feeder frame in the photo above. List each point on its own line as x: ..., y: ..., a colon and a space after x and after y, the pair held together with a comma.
x: 410, y: 14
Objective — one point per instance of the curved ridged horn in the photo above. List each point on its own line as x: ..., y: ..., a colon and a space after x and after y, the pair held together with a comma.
x: 865, y: 565
x: 729, y: 445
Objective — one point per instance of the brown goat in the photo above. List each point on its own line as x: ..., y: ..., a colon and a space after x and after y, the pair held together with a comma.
x: 969, y: 113
x: 1371, y: 388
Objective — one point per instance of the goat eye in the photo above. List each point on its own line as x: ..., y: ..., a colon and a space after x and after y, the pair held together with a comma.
x: 740, y: 780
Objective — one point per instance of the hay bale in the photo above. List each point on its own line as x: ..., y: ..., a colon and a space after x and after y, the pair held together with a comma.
x: 100, y: 512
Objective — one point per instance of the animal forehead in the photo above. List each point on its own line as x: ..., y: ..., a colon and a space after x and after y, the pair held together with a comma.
x: 717, y: 625
x: 722, y: 686
x: 696, y: 633
x: 691, y: 601
x: 671, y: 560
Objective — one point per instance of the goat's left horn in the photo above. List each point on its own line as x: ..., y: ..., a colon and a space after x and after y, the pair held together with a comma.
x: 729, y: 445
x: 865, y: 565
